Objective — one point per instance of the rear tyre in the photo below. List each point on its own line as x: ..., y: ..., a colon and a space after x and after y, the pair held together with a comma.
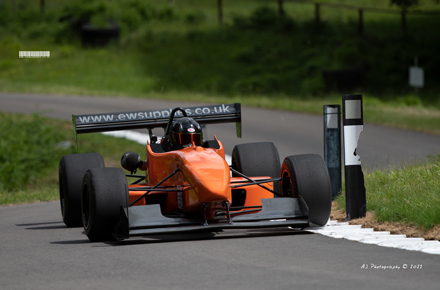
x: 257, y: 159
x: 309, y: 180
x: 71, y: 173
x: 104, y: 198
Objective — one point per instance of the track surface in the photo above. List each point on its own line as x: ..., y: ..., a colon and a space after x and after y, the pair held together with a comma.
x: 292, y: 133
x: 38, y: 252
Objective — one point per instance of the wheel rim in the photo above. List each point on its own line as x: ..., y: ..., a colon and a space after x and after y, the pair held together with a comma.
x: 287, y: 188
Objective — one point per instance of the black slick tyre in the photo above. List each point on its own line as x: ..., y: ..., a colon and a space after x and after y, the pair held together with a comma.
x: 308, y: 179
x: 103, y: 204
x: 71, y: 173
x: 257, y: 159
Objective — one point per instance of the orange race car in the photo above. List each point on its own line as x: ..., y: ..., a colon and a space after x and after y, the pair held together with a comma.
x: 188, y: 186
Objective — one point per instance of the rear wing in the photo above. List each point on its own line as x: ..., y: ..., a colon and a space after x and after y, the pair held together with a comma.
x: 150, y: 119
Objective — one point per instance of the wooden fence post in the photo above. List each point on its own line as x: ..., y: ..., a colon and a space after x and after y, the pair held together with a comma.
x: 280, y: 8
x: 361, y: 22
x: 404, y: 23
x: 220, y: 11
x: 317, y: 13
x: 42, y: 4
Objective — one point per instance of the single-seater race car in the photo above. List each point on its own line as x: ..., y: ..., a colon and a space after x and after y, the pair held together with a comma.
x: 188, y: 186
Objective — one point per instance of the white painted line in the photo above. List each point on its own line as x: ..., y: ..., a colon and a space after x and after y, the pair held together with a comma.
x: 356, y: 233
x: 140, y: 138
x: 334, y: 229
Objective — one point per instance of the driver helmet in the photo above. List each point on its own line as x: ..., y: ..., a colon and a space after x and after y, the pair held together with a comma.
x: 185, y: 131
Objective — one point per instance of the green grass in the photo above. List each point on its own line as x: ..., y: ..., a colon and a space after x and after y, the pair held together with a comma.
x: 23, y: 196
x: 20, y: 163
x: 410, y: 195
x: 255, y: 53
x: 70, y: 70
x: 31, y: 148
x: 111, y: 72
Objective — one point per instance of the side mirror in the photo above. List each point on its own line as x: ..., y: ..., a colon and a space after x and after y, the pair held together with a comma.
x: 131, y: 161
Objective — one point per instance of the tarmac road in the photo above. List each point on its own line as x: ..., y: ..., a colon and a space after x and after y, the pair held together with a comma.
x: 38, y: 252
x: 292, y: 133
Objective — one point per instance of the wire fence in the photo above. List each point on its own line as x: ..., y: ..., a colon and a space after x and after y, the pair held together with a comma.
x: 318, y: 6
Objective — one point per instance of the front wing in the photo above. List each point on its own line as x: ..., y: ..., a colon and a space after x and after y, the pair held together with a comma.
x: 276, y: 212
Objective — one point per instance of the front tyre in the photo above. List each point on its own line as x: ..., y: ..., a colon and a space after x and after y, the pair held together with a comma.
x: 307, y: 178
x: 71, y: 173
x: 104, y: 203
x: 257, y: 159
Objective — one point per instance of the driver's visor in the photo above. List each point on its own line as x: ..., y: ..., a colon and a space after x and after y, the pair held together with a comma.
x: 189, y: 138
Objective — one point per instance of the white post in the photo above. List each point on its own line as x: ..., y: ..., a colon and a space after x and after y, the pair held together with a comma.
x: 355, y: 195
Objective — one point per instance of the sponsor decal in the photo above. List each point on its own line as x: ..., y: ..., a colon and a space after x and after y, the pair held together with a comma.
x: 155, y: 114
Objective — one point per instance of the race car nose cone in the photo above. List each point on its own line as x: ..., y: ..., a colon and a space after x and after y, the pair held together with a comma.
x: 208, y: 174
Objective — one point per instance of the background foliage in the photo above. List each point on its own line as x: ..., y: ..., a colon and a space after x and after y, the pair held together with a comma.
x: 28, y: 147
x: 181, y: 47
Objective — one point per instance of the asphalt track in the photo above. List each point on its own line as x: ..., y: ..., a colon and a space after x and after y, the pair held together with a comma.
x: 38, y: 252
x: 293, y: 133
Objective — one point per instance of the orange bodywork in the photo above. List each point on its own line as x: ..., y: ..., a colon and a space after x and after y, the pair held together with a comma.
x: 203, y: 178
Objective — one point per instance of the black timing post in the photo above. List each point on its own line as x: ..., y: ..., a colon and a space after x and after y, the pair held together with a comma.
x: 332, y: 146
x: 355, y: 194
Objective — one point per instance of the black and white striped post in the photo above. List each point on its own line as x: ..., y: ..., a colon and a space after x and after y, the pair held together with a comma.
x: 353, y: 120
x: 332, y: 146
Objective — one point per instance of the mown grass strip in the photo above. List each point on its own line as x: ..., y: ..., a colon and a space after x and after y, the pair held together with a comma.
x: 31, y: 148
x: 410, y: 195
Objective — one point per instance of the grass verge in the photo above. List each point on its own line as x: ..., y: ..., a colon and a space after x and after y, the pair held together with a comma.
x: 402, y: 200
x: 31, y: 148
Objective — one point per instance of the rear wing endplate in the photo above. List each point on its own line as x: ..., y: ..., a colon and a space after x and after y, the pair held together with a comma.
x: 150, y: 119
